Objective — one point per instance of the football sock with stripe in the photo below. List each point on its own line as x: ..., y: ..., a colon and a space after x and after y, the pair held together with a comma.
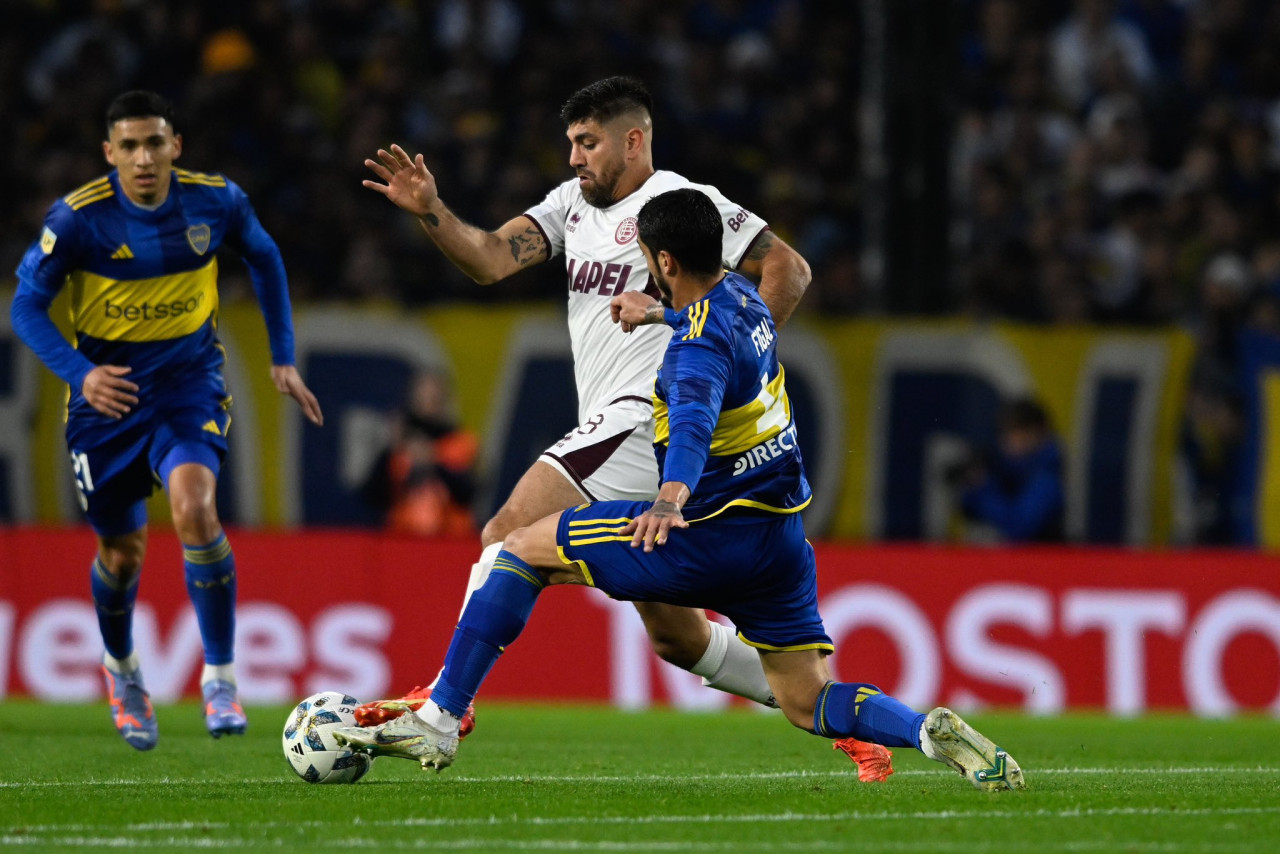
x: 846, y: 709
x: 211, y: 584
x: 113, y: 599
x: 492, y: 619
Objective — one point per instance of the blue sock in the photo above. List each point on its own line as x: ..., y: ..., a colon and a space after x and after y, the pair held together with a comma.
x: 211, y: 584
x: 113, y: 601
x: 859, y: 710
x: 493, y: 618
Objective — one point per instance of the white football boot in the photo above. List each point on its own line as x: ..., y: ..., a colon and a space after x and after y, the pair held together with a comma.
x: 406, y: 737
x: 979, y: 760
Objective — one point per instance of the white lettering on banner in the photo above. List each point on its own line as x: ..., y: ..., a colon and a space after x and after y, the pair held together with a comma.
x: 166, y: 667
x: 631, y: 660
x: 1221, y: 621
x: 968, y: 642
x: 1124, y: 616
x: 8, y: 622
x: 879, y: 607
x: 270, y: 647
x: 345, y: 643
x: 60, y: 652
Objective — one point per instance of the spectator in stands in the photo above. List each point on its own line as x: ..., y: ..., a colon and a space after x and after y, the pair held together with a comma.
x: 1018, y: 492
x: 424, y: 480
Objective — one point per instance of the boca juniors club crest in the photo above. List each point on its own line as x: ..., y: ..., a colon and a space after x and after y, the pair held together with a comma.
x: 626, y: 231
x: 199, y: 236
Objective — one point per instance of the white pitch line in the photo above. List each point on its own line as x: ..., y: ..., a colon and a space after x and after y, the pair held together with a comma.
x: 668, y: 819
x: 641, y: 778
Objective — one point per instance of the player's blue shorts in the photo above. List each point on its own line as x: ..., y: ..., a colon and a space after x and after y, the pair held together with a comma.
x: 758, y: 570
x: 115, y: 477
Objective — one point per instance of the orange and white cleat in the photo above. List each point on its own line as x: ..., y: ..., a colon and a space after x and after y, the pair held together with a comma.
x: 377, y: 712
x: 873, y: 760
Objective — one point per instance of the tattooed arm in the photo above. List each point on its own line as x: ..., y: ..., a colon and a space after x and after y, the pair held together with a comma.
x: 782, y: 272
x: 485, y: 256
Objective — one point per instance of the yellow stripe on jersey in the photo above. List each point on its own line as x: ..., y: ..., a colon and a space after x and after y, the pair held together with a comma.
x: 155, y: 309
x: 81, y: 201
x: 187, y: 177
x: 755, y: 505
x: 743, y: 427
x: 698, y: 313
x: 93, y: 187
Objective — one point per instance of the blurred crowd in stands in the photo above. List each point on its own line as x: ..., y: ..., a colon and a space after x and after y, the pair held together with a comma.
x: 288, y: 97
x: 1113, y: 161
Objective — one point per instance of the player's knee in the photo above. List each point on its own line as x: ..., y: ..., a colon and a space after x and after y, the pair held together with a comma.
x: 518, y: 542
x: 195, y: 516
x: 674, y: 647
x: 495, y: 530
x: 123, y: 559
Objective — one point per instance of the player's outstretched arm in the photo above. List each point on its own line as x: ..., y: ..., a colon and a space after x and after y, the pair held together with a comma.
x: 288, y: 381
x: 782, y: 272
x: 485, y: 256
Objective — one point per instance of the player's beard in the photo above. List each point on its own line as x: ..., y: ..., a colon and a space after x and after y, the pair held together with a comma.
x: 664, y: 289
x: 600, y: 192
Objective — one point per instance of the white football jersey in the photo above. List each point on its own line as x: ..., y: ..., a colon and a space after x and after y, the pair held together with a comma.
x: 602, y: 259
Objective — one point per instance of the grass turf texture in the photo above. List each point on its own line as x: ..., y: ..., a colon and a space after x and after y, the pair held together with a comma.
x: 594, y: 779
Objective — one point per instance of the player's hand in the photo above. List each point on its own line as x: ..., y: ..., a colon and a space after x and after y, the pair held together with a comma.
x: 651, y: 527
x: 289, y: 381
x: 406, y: 182
x: 633, y: 308
x: 109, y: 392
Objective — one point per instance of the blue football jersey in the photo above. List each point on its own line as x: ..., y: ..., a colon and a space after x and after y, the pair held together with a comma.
x: 724, y: 421
x: 143, y: 285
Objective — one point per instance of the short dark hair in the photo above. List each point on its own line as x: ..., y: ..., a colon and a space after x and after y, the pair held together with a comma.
x: 138, y: 104
x: 1025, y: 413
x: 686, y: 224
x: 607, y: 99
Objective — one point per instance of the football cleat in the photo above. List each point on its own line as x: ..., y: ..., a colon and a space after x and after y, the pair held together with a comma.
x: 223, y: 714
x: 873, y: 760
x: 406, y: 737
x: 948, y: 739
x: 131, y: 710
x: 383, y: 711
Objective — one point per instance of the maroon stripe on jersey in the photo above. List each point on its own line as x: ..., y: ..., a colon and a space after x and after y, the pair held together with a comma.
x: 749, y: 245
x: 647, y: 400
x: 542, y: 231
x: 584, y: 462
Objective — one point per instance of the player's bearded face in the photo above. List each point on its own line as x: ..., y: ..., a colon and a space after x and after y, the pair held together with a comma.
x: 598, y: 157
x: 143, y: 151
x: 664, y: 288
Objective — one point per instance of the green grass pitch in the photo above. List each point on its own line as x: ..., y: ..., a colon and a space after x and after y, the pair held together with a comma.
x: 549, y: 778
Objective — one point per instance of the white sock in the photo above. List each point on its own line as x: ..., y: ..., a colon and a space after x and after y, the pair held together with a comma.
x: 732, y: 666
x: 438, y: 719
x: 222, y: 672
x: 479, y: 574
x: 128, y: 664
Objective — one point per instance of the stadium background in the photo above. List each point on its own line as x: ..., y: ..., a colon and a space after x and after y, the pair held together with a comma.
x: 985, y: 212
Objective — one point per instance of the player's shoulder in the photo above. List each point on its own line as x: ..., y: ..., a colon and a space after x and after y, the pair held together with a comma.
x: 97, y: 190
x: 188, y: 177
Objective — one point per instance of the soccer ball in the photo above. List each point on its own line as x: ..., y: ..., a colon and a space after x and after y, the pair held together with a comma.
x: 308, y: 740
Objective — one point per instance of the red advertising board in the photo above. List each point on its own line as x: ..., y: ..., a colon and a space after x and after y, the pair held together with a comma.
x: 1038, y: 629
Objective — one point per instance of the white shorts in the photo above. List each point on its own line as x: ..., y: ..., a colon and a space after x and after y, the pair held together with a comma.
x: 609, y: 457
